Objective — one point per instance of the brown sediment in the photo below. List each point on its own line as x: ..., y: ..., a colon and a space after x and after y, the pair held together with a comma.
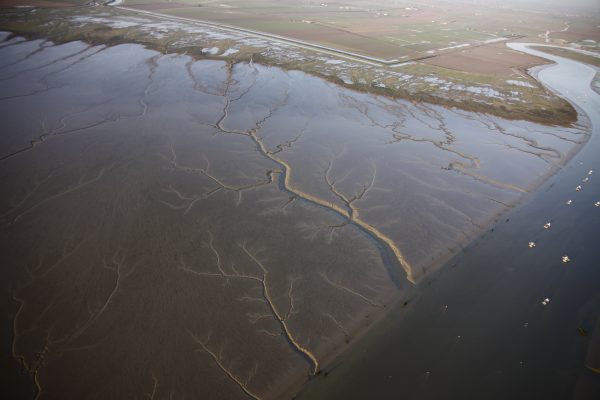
x: 99, y: 49
x: 349, y: 212
x: 243, y: 385
x: 551, y: 156
x: 83, y: 182
x: 353, y: 333
x: 255, y: 275
x: 349, y: 290
x: 190, y: 201
x: 267, y: 298
x: 465, y: 168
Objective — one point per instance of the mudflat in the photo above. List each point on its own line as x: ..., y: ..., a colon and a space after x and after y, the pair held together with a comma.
x: 513, y: 316
x: 214, y: 231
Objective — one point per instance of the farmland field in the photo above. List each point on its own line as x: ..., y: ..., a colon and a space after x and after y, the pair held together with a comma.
x: 387, y: 29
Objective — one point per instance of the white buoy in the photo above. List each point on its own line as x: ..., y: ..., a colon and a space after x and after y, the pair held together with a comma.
x: 590, y: 172
x: 546, y: 301
x: 569, y: 202
x: 585, y: 179
x: 565, y: 259
x: 597, y: 204
x: 531, y: 245
x: 547, y: 225
x: 578, y: 188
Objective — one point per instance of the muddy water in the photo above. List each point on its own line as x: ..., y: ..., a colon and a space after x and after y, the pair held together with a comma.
x: 175, y: 228
x: 481, y: 327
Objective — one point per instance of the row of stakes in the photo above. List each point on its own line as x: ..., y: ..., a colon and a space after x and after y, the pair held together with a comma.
x: 547, y: 225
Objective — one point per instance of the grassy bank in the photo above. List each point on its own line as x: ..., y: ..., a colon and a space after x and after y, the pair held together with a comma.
x: 489, y: 94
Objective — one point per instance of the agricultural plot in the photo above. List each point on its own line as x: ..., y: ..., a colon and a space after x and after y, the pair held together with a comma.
x: 386, y: 29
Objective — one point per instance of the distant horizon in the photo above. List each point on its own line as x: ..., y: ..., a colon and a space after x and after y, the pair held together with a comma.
x: 544, y: 5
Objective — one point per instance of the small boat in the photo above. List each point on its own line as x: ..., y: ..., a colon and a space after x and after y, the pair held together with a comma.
x: 547, y: 225
x: 565, y: 259
x: 546, y: 301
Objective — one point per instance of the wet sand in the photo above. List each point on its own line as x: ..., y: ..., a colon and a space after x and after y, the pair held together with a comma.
x: 481, y: 327
x: 188, y: 219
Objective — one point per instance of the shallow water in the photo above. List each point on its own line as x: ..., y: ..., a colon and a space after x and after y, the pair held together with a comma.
x: 183, y: 219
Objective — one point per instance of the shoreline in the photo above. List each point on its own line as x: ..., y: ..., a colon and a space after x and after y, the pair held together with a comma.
x: 554, y: 112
